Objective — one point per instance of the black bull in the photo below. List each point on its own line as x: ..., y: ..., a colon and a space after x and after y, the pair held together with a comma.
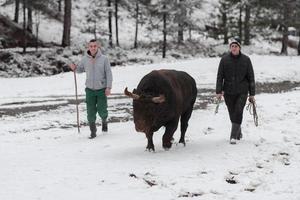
x: 161, y: 99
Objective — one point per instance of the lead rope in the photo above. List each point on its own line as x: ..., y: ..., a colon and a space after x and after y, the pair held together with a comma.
x: 252, y: 110
x: 218, y: 104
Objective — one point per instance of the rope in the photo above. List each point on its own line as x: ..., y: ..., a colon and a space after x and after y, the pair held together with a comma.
x: 252, y: 110
x: 217, y: 107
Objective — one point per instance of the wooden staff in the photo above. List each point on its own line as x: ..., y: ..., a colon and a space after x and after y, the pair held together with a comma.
x: 78, y: 125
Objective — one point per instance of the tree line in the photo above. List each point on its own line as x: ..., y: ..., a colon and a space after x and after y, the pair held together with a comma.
x: 172, y: 18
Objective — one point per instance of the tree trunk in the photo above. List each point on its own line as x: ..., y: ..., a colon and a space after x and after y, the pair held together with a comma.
x: 59, y: 5
x: 24, y: 26
x: 116, y: 22
x: 241, y: 23
x: 17, y: 8
x: 38, y: 18
x: 110, y: 23
x: 286, y: 20
x: 66, y: 40
x: 299, y: 48
x: 29, y: 17
x: 181, y: 22
x: 247, y: 25
x: 164, y: 32
x: 284, y: 41
x: 225, y: 28
x: 136, y: 24
x: 95, y: 29
x: 190, y: 27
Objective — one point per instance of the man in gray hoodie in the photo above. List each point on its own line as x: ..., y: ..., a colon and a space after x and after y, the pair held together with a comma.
x: 98, y: 84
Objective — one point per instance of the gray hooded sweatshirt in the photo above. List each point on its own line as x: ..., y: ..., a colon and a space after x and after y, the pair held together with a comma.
x: 98, y: 71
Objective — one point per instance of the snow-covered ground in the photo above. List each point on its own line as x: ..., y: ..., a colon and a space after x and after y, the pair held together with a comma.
x: 62, y: 164
x: 267, y: 69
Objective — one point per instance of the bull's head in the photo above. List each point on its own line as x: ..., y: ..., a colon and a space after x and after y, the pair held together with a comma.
x: 158, y: 99
x: 145, y: 110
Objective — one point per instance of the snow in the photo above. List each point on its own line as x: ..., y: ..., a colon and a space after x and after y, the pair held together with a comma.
x: 267, y: 68
x: 43, y: 157
x: 38, y: 162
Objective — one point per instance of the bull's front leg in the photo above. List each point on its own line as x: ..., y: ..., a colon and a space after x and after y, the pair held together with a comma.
x: 150, y: 145
x: 171, y: 127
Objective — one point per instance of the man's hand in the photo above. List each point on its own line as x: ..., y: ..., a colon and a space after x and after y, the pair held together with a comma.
x: 107, y: 91
x: 251, y: 99
x: 219, y: 96
x: 72, y: 66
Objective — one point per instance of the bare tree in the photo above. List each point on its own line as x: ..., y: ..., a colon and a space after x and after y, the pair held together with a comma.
x: 164, y: 30
x: 240, y: 23
x: 29, y: 17
x: 181, y: 17
x: 59, y: 5
x: 37, y: 26
x: 136, y: 23
x: 284, y: 25
x: 66, y: 40
x: 116, y: 22
x: 224, y: 27
x: 299, y: 48
x: 110, y: 23
x: 24, y: 26
x: 17, y: 8
x: 247, y: 24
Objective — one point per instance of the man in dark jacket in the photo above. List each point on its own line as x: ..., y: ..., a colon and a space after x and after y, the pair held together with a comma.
x: 98, y: 84
x: 235, y: 80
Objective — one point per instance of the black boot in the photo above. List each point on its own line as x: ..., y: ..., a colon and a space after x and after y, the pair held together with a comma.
x: 240, y: 135
x: 93, y: 130
x: 104, y: 125
x: 234, y: 133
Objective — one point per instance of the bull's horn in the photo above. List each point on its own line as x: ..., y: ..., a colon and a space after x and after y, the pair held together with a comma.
x: 159, y: 99
x: 130, y: 94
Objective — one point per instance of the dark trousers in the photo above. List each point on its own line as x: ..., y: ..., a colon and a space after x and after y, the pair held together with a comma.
x: 235, y: 105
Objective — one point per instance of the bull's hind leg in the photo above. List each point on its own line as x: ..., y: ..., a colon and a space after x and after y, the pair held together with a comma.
x: 168, y: 135
x: 184, y: 124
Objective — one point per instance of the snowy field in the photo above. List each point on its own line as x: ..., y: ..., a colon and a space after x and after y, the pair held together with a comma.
x: 61, y: 164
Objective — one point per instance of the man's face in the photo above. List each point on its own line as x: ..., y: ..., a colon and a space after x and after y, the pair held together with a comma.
x: 234, y: 49
x: 93, y: 48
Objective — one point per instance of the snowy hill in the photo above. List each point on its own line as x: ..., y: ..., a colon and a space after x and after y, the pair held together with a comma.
x: 51, y: 61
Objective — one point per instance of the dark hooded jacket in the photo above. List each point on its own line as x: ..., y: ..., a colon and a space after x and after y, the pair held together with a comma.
x: 235, y: 75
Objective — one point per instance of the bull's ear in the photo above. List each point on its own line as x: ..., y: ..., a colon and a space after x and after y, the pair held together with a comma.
x: 134, y: 91
x: 160, y: 99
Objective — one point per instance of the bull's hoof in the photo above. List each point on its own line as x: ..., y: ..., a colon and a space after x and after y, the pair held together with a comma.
x: 166, y: 149
x: 167, y: 145
x: 150, y: 148
x: 182, y: 142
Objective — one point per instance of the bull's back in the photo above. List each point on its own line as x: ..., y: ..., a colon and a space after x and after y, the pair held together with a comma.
x: 183, y: 86
x: 168, y: 82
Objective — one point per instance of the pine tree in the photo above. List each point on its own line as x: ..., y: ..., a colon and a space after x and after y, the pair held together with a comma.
x: 281, y: 13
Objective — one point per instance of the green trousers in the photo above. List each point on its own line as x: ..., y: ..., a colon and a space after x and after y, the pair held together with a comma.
x: 96, y: 101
